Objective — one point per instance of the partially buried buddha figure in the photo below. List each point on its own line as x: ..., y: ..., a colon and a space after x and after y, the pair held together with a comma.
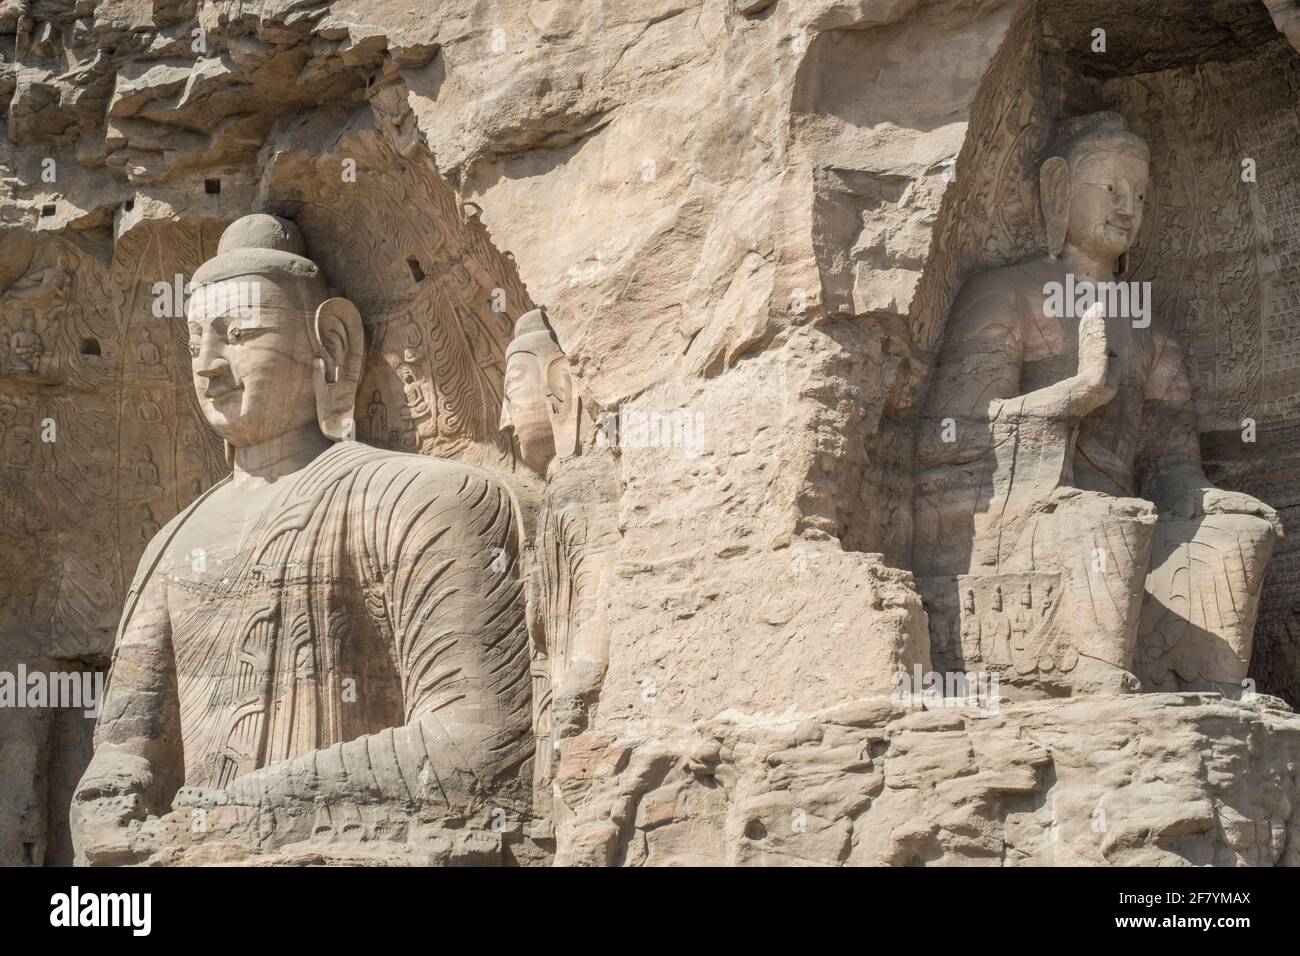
x: 332, y: 626
x: 1059, y: 456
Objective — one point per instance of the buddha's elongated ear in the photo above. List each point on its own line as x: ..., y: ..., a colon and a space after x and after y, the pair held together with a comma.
x: 338, y: 340
x: 1054, y: 190
x: 563, y: 408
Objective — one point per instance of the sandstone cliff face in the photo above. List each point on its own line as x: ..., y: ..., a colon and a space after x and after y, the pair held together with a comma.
x: 1153, y: 780
x: 747, y: 220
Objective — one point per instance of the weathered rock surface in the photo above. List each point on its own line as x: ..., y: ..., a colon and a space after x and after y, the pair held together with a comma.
x: 1151, y: 780
x: 748, y: 222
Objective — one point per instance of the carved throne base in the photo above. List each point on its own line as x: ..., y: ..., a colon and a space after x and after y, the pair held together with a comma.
x: 1009, y: 624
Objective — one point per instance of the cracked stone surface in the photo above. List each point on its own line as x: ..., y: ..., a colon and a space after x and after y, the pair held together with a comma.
x: 749, y: 224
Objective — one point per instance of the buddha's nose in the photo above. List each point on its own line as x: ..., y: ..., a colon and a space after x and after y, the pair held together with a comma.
x: 210, y: 364
x: 214, y: 371
x: 1124, y: 203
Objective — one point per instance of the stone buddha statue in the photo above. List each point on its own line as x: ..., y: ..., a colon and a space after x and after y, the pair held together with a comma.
x: 333, y: 632
x: 1058, y: 451
x: 25, y: 345
x: 576, y: 531
x: 540, y: 409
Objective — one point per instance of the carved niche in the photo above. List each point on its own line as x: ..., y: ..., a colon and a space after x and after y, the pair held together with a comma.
x: 1208, y: 86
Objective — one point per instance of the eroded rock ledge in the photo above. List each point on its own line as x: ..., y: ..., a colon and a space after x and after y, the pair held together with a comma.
x: 1153, y: 779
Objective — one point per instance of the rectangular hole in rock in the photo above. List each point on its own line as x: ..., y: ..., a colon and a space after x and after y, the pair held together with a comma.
x: 212, y: 186
x: 417, y: 273
x: 129, y: 205
x: 90, y: 346
x: 48, y: 211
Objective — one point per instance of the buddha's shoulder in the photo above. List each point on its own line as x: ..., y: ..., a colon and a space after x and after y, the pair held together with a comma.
x: 998, y: 296
x: 1012, y: 281
x: 164, y: 543
x: 407, y: 475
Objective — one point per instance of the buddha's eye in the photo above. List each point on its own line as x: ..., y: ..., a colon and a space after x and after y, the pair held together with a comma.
x: 1110, y: 188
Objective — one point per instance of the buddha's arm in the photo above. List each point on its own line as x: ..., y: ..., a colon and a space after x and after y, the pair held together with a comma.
x: 578, y: 542
x: 977, y: 381
x: 1170, y: 456
x: 454, y: 602
x: 137, y: 763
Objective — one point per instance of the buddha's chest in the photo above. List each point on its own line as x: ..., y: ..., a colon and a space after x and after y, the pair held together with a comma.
x: 1051, y: 355
x: 249, y: 644
x: 229, y: 554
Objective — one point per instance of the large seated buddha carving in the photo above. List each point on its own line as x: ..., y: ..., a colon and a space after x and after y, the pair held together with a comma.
x: 330, y: 639
x: 1066, y: 534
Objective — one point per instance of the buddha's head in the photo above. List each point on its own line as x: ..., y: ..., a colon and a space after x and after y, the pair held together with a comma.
x: 1093, y: 186
x: 273, y: 351
x: 540, y: 405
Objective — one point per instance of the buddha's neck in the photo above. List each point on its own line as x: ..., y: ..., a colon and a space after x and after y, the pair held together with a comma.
x: 279, y: 456
x: 1086, y: 266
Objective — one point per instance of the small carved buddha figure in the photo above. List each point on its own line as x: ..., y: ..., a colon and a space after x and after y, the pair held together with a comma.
x: 25, y: 345
x: 417, y: 406
x: 576, y: 527
x: 995, y: 633
x: 146, y: 472
x: 1023, y: 621
x: 970, y: 630
x: 42, y: 285
x: 378, y: 416
x: 1048, y: 434
x: 147, y: 352
x: 331, y: 625
x: 148, y: 524
x: 149, y: 412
